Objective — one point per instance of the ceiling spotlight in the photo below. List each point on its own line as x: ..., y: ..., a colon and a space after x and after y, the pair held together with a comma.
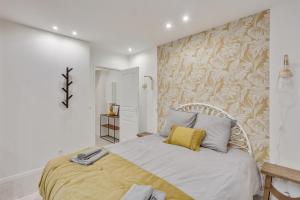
x: 55, y: 28
x: 185, y: 18
x: 168, y: 25
x: 130, y: 49
x: 74, y: 33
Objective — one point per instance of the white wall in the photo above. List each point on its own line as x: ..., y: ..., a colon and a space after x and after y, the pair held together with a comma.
x: 35, y: 126
x: 147, y: 62
x: 1, y: 91
x: 104, y: 58
x: 285, y: 32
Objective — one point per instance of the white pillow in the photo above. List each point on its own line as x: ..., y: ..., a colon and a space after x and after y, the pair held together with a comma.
x: 180, y: 118
x: 218, y: 131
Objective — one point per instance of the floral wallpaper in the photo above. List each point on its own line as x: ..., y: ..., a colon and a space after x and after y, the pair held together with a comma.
x: 228, y: 67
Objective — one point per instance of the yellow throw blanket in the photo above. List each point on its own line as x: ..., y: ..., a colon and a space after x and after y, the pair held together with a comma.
x: 107, y: 179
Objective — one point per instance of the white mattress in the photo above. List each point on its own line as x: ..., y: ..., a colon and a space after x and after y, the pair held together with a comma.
x: 204, y: 175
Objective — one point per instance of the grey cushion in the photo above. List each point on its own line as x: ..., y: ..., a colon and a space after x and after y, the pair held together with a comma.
x: 217, y: 129
x: 181, y: 118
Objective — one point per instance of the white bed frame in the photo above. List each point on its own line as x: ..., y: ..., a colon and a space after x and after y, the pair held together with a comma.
x: 238, y: 139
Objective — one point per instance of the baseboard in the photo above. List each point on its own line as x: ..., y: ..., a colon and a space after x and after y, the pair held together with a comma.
x: 19, y: 185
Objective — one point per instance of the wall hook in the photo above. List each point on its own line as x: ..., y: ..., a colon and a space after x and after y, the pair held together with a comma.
x: 66, y: 88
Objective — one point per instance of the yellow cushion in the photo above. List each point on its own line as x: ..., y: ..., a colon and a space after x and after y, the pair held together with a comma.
x: 186, y: 137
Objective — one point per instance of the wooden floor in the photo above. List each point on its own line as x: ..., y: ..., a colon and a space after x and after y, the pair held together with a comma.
x: 35, y: 196
x: 101, y: 142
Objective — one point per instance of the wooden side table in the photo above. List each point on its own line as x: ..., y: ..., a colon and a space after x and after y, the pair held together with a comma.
x: 142, y: 134
x: 109, y: 126
x: 276, y: 171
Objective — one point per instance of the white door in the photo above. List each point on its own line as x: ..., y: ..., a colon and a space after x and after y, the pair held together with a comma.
x: 129, y: 104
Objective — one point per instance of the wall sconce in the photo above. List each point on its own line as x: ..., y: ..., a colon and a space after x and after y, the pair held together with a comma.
x: 286, y: 98
x: 285, y: 82
x: 286, y: 91
x: 145, y: 84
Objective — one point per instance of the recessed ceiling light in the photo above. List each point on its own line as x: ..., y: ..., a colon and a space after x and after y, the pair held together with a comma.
x: 130, y: 49
x: 55, y: 28
x: 185, y: 18
x: 74, y: 33
x: 168, y: 25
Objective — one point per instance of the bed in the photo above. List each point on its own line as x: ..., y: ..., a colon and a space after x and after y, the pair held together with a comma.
x: 184, y: 174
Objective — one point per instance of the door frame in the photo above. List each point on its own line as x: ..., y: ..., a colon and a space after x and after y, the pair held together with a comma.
x: 92, y: 106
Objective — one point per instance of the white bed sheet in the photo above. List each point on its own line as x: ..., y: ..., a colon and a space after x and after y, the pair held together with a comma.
x: 204, y: 175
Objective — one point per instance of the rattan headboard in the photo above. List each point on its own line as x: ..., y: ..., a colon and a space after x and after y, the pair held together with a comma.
x: 238, y: 139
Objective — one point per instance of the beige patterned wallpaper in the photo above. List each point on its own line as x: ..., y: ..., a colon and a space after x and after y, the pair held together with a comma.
x: 228, y: 67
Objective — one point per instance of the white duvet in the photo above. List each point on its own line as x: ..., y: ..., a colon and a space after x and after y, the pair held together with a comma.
x: 204, y: 175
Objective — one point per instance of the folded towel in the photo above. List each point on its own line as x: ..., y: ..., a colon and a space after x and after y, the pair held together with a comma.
x: 138, y: 192
x: 91, y: 160
x: 89, y: 153
x: 158, y: 195
x: 89, y: 156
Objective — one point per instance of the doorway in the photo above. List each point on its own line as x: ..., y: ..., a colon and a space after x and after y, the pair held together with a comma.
x: 107, y: 87
x: 116, y: 105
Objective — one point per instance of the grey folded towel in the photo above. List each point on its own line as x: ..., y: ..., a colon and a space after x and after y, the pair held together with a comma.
x: 143, y: 192
x: 89, y: 153
x: 91, y: 159
x: 158, y: 195
x: 138, y: 192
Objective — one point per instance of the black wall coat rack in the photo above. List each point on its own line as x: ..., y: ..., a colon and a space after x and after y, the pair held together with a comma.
x: 66, y: 88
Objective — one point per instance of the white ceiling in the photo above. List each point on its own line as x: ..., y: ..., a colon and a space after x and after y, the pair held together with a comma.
x: 118, y: 24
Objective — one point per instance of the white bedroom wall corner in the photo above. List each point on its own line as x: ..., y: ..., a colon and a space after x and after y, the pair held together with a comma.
x: 19, y: 185
x: 108, y: 59
x: 285, y: 31
x: 147, y: 63
x: 93, y: 95
x: 284, y: 40
x: 1, y: 89
x: 36, y: 126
